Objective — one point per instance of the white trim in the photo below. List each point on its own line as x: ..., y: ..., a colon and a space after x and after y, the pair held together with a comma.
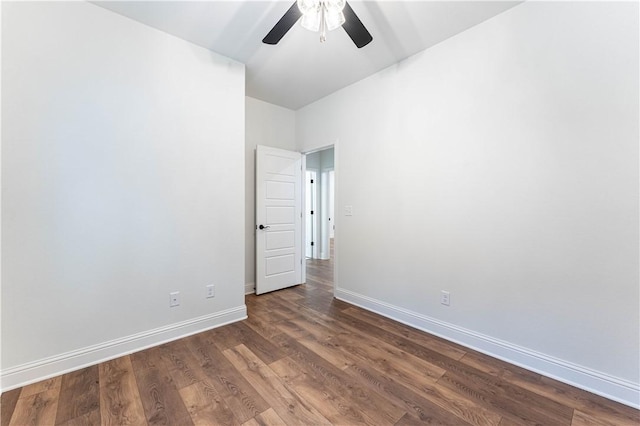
x: 302, y: 240
x: 249, y: 288
x: 616, y: 389
x: 46, y: 368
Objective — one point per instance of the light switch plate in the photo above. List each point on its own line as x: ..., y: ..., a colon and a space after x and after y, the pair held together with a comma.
x: 174, y: 299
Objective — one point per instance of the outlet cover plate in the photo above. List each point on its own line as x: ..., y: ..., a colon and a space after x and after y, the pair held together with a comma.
x: 445, y: 298
x: 211, y: 291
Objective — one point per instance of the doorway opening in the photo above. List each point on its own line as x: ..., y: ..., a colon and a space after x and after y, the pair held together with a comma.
x: 320, y: 220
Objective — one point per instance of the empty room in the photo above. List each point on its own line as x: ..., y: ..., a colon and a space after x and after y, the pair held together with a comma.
x: 310, y: 212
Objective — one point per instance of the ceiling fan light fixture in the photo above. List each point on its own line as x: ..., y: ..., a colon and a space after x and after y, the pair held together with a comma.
x: 308, y: 6
x: 311, y: 21
x: 333, y: 20
x: 334, y: 6
x: 321, y: 15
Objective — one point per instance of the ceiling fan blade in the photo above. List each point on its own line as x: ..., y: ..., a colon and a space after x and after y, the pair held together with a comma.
x: 354, y: 27
x: 283, y: 25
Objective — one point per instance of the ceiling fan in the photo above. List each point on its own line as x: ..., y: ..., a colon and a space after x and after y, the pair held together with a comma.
x: 322, y: 16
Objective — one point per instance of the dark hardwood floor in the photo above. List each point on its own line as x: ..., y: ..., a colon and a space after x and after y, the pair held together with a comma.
x: 304, y: 358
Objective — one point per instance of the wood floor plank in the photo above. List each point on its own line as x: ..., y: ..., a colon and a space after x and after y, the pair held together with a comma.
x: 460, y: 377
x: 92, y: 418
x: 45, y: 385
x: 461, y: 406
x: 324, y: 304
x: 161, y: 400
x: 334, y: 406
x: 267, y: 418
x: 239, y: 333
x: 181, y: 363
x: 120, y: 402
x: 410, y: 419
x: 79, y: 395
x: 583, y: 419
x: 273, y: 309
x: 262, y: 326
x: 292, y: 329
x: 286, y: 369
x: 323, y: 371
x: 36, y: 409
x: 284, y: 400
x: 358, y: 326
x: 328, y: 350
x: 586, y: 402
x: 149, y: 358
x: 437, y: 344
x: 206, y: 406
x: 8, y: 403
x: 406, y: 371
x: 239, y: 395
x: 265, y: 313
x: 508, y: 401
x: 365, y: 347
x: 593, y: 405
x: 291, y: 297
x: 559, y: 392
x: 420, y: 408
x: 405, y: 367
x: 511, y: 422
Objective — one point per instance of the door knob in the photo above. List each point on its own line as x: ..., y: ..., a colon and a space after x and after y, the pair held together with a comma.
x: 263, y: 227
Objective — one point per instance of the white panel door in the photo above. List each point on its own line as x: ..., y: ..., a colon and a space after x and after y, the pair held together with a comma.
x: 278, y: 219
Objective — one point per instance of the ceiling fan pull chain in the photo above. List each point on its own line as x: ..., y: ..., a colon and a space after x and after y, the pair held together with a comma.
x: 323, y: 23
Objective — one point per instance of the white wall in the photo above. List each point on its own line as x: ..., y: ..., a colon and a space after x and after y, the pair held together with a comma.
x: 268, y: 125
x: 123, y: 180
x: 502, y: 166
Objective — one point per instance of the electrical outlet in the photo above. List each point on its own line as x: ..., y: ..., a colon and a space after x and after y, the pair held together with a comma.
x: 445, y: 298
x: 211, y: 291
x: 174, y: 299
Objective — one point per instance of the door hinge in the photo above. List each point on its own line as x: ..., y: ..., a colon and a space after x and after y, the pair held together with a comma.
x: 311, y: 211
x: 311, y: 243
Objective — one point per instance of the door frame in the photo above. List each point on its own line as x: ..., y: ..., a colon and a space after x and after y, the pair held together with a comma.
x: 335, y: 218
x: 324, y: 222
x: 314, y: 207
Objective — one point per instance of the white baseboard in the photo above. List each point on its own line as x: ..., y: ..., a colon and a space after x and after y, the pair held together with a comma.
x: 43, y: 369
x: 623, y: 391
x: 249, y: 288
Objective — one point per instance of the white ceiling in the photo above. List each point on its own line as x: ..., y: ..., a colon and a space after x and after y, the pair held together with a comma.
x: 300, y: 69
